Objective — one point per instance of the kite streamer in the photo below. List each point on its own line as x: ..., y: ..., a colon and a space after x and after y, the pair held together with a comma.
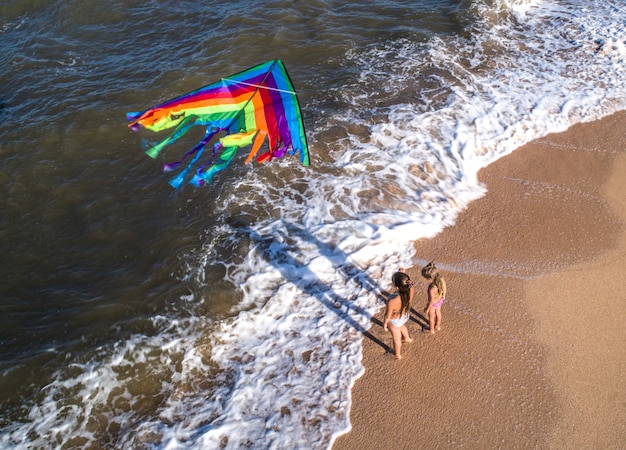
x: 247, y: 108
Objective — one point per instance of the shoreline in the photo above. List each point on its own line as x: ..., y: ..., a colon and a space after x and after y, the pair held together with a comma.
x: 518, y: 363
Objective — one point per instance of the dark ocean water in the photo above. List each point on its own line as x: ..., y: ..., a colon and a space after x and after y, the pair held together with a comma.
x: 120, y: 296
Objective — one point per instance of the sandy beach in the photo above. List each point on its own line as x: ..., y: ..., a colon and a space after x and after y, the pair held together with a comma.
x: 532, y: 352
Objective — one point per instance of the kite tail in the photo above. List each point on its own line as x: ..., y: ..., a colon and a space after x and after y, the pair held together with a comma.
x: 277, y: 152
x: 132, y: 117
x: 280, y: 151
x: 231, y: 143
x: 258, y: 141
x: 180, y: 130
x: 203, y: 176
x: 179, y: 179
x: 200, y: 146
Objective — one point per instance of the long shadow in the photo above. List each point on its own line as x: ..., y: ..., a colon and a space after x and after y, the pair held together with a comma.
x: 420, y: 319
x: 307, y: 281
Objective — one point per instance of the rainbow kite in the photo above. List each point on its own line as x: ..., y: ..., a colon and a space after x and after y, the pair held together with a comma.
x: 245, y: 108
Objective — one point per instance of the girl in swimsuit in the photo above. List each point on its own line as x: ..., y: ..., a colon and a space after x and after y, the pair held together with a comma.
x: 436, y: 296
x: 397, y: 313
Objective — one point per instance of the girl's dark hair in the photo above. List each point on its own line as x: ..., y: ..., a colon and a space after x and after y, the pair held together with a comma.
x: 402, y: 281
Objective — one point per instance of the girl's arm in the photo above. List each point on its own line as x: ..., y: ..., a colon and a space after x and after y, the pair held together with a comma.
x: 388, y: 313
x: 432, y: 291
x: 387, y: 317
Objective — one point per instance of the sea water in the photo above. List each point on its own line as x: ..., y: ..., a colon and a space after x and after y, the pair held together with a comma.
x: 136, y: 316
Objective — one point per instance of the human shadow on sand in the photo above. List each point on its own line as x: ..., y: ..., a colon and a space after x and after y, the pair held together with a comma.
x: 277, y: 254
x: 419, y: 319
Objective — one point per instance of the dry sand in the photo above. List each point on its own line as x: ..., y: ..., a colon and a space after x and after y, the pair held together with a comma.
x: 532, y: 352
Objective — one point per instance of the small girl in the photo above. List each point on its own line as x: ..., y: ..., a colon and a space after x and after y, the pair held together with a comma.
x: 397, y: 314
x: 436, y: 296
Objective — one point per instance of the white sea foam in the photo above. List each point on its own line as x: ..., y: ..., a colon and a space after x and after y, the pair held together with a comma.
x: 332, y: 271
x: 281, y: 371
x: 540, y: 82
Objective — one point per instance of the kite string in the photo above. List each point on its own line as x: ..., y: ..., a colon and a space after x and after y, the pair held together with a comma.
x: 258, y: 86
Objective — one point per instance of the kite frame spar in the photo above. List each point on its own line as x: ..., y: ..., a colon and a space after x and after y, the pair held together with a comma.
x: 250, y: 106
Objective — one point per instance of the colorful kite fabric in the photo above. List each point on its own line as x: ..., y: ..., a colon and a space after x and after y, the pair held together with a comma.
x: 245, y: 108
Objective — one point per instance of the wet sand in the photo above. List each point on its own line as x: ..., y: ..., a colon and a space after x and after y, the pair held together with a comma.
x: 532, y: 352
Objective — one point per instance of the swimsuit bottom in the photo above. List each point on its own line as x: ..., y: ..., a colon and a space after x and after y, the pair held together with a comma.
x: 399, y: 321
x: 438, y: 304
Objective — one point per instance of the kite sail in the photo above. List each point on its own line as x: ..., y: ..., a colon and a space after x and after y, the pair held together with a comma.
x: 245, y: 109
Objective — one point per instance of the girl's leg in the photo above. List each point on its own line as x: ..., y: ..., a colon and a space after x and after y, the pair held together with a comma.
x: 438, y: 319
x: 405, y: 334
x: 431, y: 320
x: 397, y: 340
